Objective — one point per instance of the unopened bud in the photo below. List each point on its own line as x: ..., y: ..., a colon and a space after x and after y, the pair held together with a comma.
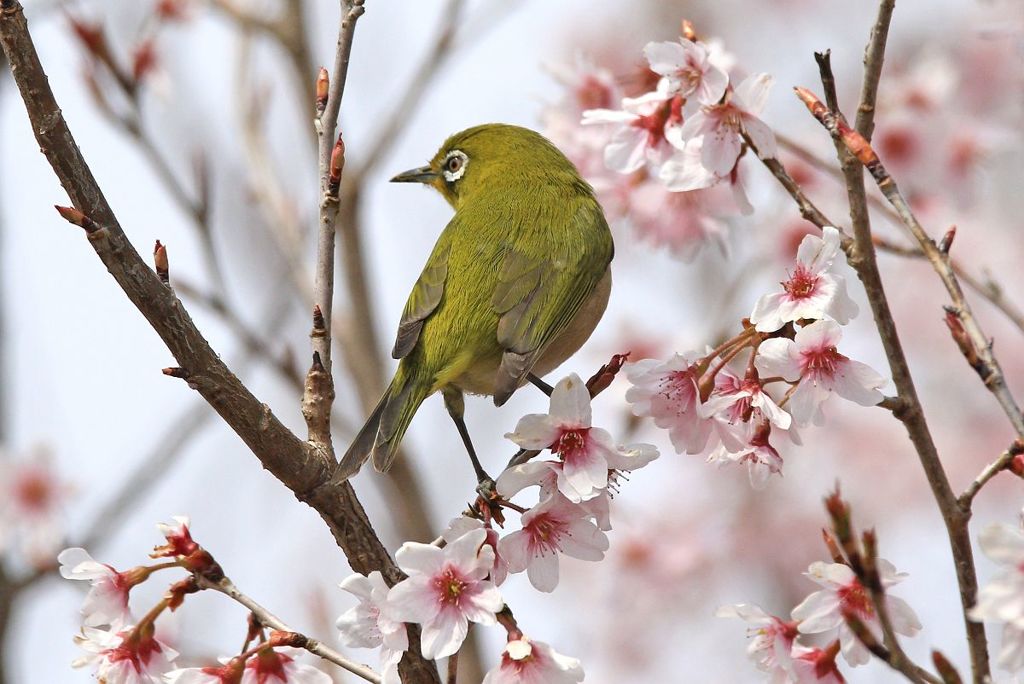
x: 161, y: 264
x: 945, y: 669
x: 688, y: 32
x: 337, y: 166
x: 72, y: 215
x: 605, y: 374
x: 143, y: 60
x: 947, y: 240
x: 323, y: 83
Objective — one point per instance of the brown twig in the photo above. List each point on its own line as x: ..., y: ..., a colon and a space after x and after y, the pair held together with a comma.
x: 991, y: 470
x: 301, y: 468
x: 863, y: 261
x: 227, y: 587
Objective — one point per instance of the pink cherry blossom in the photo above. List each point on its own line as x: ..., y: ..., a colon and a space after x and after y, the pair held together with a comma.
x: 687, y: 70
x: 32, y: 496
x: 525, y: 661
x: 761, y: 458
x: 463, y: 524
x: 445, y: 591
x: 771, y: 637
x: 587, y: 453
x: 271, y: 666
x: 815, y: 666
x: 667, y: 392
x: 179, y: 539
x: 228, y: 673
x: 722, y: 125
x: 130, y: 656
x: 367, y: 624
x: 1002, y: 599
x: 812, y: 291
x: 642, y: 138
x: 553, y: 526
x: 812, y: 358
x: 107, y: 600
x: 823, y: 610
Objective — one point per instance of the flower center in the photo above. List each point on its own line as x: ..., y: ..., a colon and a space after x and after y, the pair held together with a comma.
x: 593, y: 94
x: 801, y: 284
x: 571, y: 444
x: 854, y: 597
x: 450, y: 587
x: 678, y: 387
x: 654, y: 124
x: 545, y: 533
x: 823, y: 361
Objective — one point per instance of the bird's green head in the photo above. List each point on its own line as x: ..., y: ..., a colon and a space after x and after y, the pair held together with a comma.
x: 492, y: 158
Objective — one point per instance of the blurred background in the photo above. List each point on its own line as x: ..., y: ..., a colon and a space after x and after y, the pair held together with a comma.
x: 207, y: 144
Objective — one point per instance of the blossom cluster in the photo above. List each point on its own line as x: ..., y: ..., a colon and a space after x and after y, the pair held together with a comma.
x: 673, y: 150
x: 123, y: 649
x: 449, y: 587
x: 774, y: 646
x: 790, y: 339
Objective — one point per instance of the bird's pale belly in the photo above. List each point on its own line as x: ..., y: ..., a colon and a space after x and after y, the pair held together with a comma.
x: 480, y: 378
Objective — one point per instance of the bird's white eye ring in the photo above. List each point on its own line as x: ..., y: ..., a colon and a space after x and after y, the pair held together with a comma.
x: 454, y: 165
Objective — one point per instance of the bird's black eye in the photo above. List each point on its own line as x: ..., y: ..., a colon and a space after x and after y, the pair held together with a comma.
x: 454, y: 165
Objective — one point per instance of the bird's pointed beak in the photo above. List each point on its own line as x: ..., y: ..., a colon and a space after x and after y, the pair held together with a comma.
x: 424, y: 174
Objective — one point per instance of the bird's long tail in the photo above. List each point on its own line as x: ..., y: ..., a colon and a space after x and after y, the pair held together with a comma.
x: 385, y: 427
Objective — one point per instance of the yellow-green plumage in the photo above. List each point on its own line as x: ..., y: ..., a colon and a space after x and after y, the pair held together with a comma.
x: 514, y: 285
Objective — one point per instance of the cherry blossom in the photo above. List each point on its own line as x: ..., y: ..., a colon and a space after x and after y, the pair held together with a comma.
x: 687, y: 70
x: 31, y: 500
x: 587, y: 453
x: 525, y: 661
x: 228, y: 673
x: 772, y: 638
x: 667, y: 391
x: 270, y: 666
x: 554, y: 526
x: 463, y: 524
x: 722, y: 125
x: 367, y: 624
x: 646, y: 125
x: 823, y: 610
x: 761, y: 458
x: 1002, y: 599
x: 815, y: 665
x: 811, y: 357
x: 107, y: 600
x: 130, y: 656
x: 179, y: 539
x: 445, y: 591
x: 812, y: 291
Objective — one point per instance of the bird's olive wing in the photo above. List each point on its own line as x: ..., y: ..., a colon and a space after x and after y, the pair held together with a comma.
x: 423, y: 300
x: 537, y: 297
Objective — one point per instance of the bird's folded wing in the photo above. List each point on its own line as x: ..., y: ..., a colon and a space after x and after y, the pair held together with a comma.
x: 537, y: 297
x: 423, y: 300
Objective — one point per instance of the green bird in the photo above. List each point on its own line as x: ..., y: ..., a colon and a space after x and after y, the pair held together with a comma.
x: 515, y: 284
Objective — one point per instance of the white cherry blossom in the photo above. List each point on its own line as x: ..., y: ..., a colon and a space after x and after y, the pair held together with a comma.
x: 463, y: 524
x: 646, y: 125
x: 722, y: 125
x: 587, y: 453
x: 812, y: 290
x: 107, y: 600
x: 272, y: 666
x: 553, y: 526
x: 667, y: 391
x: 822, y: 611
x: 761, y: 458
x: 771, y: 638
x: 129, y: 656
x: 812, y: 358
x: 687, y: 70
x: 525, y: 661
x: 367, y: 624
x: 445, y: 591
x: 1002, y: 599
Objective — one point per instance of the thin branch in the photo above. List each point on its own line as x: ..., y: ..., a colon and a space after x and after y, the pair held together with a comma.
x: 863, y: 261
x: 317, y: 648
x: 991, y: 470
